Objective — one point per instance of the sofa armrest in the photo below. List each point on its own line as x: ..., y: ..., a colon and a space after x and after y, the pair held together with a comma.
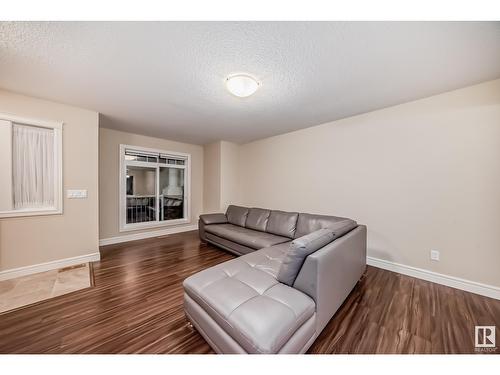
x: 208, y: 219
x: 330, y: 274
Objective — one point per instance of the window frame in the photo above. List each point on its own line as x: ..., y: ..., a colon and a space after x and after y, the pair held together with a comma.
x: 57, y: 127
x: 122, y: 198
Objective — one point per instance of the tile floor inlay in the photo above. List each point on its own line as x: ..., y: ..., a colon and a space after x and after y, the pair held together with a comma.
x: 26, y: 290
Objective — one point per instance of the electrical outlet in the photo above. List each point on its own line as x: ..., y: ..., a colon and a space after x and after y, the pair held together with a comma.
x: 435, y: 255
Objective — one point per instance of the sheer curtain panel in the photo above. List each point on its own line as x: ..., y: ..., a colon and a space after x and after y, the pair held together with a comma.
x: 33, y: 167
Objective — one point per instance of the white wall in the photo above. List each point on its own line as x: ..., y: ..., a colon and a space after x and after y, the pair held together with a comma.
x: 28, y: 241
x: 229, y: 168
x: 221, y: 176
x: 422, y: 175
x: 109, y: 169
x: 211, y: 177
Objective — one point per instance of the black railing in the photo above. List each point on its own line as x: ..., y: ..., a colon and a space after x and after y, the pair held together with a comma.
x: 141, y: 209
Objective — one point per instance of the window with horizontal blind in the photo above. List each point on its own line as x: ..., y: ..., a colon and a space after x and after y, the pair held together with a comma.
x: 30, y: 166
x: 154, y: 187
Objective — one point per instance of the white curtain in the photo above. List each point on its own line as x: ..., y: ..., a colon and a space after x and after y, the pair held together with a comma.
x: 33, y: 166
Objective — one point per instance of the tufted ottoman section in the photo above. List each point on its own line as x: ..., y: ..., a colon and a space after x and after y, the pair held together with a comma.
x: 244, y: 298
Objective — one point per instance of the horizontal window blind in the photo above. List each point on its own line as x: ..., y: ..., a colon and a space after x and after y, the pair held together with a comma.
x: 154, y: 157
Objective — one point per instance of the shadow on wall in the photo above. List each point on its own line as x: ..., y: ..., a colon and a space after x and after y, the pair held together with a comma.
x: 380, y: 247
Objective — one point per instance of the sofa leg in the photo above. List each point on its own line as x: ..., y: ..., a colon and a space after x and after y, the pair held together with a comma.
x: 363, y: 277
x: 189, y: 325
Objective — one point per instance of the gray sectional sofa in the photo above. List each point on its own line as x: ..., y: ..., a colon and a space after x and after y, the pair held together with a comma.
x: 294, y: 272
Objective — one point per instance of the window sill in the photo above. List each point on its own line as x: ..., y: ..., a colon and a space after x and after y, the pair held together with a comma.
x: 139, y: 226
x: 30, y: 212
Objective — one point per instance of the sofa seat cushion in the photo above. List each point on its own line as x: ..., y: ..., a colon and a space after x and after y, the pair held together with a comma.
x: 249, y: 304
x: 245, y: 236
x: 230, y: 246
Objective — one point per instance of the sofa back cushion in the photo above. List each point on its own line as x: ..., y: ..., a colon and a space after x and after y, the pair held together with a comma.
x: 298, y: 251
x: 257, y: 219
x: 282, y: 223
x: 237, y: 215
x: 308, y: 223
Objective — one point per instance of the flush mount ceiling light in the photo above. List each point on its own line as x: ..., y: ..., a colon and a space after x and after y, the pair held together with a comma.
x: 242, y: 85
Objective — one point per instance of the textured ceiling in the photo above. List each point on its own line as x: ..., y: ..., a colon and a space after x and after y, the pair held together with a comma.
x: 166, y: 79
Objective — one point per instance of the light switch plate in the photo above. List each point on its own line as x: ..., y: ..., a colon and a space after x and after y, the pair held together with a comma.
x: 76, y: 194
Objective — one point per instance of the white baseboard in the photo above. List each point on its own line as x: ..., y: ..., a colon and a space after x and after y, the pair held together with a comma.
x: 438, y: 278
x: 48, y: 266
x: 150, y: 234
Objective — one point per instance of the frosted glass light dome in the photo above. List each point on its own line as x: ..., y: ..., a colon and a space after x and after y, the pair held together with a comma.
x: 242, y: 85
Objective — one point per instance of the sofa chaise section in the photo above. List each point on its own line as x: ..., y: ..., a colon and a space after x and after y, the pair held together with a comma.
x: 254, y: 312
x: 240, y: 306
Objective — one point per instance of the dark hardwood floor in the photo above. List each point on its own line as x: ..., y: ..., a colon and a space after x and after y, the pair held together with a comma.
x: 135, y: 306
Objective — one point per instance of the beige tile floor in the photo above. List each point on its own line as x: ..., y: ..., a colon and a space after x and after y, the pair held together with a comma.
x: 25, y: 290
